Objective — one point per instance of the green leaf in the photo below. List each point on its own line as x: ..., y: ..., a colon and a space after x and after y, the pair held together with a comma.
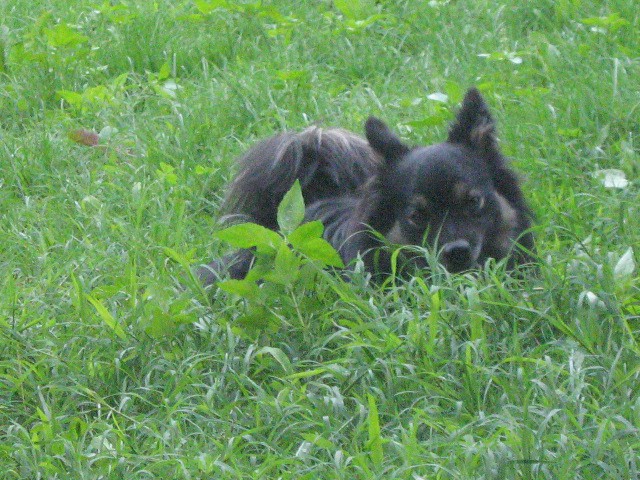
x: 245, y: 288
x: 106, y: 317
x: 255, y: 322
x: 354, y: 9
x: 202, y: 170
x: 206, y: 7
x: 320, y: 250
x: 3, y: 61
x: 248, y: 235
x: 432, y: 320
x: 291, y: 209
x: 279, y: 356
x: 157, y: 323
x: 165, y: 71
x: 262, y: 266
x: 318, y: 440
x: 360, y: 25
x: 612, y: 22
x: 72, y: 98
x: 305, y: 232
x: 286, y: 267
x: 308, y: 276
x: 454, y: 91
x: 98, y: 95
x: 570, y: 132
x: 64, y: 36
x: 439, y: 118
x: 375, y: 440
x: 120, y: 81
x: 301, y: 75
x: 183, y: 260
x: 307, y: 373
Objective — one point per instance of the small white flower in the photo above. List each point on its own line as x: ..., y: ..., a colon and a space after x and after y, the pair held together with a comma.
x: 590, y: 299
x: 438, y: 97
x: 626, y: 265
x: 612, y: 178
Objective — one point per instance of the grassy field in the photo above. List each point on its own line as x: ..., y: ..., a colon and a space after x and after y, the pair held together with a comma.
x: 114, y: 363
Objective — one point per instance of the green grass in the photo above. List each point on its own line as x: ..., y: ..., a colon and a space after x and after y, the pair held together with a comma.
x: 115, y: 364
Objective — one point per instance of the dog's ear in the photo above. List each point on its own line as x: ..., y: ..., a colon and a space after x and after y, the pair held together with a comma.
x: 384, y: 141
x: 474, y: 126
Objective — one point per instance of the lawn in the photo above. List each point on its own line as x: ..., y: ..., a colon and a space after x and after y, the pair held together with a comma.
x: 120, y: 122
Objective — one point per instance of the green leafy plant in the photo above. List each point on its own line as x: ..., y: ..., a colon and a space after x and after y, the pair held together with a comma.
x: 287, y: 264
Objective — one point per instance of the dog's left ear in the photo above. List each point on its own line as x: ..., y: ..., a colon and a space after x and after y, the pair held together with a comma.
x: 384, y: 141
x: 474, y: 126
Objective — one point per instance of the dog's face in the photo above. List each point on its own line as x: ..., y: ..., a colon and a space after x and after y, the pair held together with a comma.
x: 457, y: 197
x: 445, y: 198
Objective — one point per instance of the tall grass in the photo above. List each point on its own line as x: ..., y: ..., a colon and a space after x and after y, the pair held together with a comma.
x: 114, y: 363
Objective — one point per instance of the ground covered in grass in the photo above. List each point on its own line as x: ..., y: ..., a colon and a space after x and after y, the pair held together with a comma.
x: 119, y: 124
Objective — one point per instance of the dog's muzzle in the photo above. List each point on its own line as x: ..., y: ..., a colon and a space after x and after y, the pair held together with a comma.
x: 457, y: 256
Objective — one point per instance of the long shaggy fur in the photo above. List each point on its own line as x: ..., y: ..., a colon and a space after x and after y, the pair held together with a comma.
x: 459, y: 197
x: 328, y: 163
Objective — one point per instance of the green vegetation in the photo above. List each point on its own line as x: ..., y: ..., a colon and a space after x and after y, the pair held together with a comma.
x: 119, y: 124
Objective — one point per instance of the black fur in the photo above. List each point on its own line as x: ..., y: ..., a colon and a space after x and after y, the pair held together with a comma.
x: 459, y: 197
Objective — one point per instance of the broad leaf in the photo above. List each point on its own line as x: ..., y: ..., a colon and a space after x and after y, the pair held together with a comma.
x: 286, y: 267
x: 305, y: 232
x: 291, y: 209
x: 244, y: 288
x: 320, y: 250
x: 248, y: 235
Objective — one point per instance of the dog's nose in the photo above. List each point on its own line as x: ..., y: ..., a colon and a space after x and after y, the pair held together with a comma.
x: 457, y: 256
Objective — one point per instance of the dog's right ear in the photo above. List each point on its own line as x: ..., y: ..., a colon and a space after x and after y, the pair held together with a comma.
x: 384, y: 141
x: 474, y: 125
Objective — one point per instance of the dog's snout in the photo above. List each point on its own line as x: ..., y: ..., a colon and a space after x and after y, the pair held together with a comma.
x: 457, y: 255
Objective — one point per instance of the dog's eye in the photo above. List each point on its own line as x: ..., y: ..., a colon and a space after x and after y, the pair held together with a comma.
x: 417, y: 217
x: 475, y: 203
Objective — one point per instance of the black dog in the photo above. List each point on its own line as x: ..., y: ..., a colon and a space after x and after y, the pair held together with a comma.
x: 458, y: 197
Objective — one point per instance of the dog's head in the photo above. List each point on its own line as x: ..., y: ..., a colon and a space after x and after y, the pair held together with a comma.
x: 459, y: 196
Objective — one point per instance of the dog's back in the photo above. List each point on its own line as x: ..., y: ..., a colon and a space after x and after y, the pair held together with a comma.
x: 328, y: 163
